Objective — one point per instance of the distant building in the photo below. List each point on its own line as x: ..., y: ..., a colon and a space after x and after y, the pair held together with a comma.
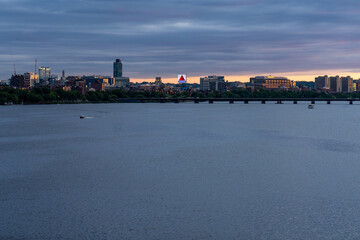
x: 122, y: 82
x: 44, y: 75
x: 322, y: 82
x: 212, y: 83
x: 335, y: 84
x: 98, y: 86
x: 271, y: 82
x: 17, y: 81
x: 346, y: 84
x: 30, y: 79
x: 117, y: 69
x: 77, y: 84
x: 158, y: 80
x: 101, y: 79
x: 356, y: 84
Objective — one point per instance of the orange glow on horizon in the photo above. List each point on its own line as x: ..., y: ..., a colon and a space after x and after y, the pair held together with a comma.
x: 296, y: 76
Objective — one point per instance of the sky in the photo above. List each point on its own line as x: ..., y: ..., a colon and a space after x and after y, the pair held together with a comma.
x: 234, y: 38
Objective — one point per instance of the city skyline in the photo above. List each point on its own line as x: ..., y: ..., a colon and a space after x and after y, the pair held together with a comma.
x: 241, y: 39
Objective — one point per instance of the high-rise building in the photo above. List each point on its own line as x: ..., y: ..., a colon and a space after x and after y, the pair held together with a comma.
x: 335, y: 84
x: 355, y: 87
x: 212, y: 83
x: 44, y: 74
x: 30, y: 79
x: 117, y: 69
x: 346, y: 84
x: 322, y: 82
x: 120, y: 81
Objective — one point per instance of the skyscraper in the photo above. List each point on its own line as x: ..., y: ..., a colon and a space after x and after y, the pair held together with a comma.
x: 322, y: 82
x: 346, y: 84
x: 335, y: 84
x: 117, y: 69
x: 44, y: 74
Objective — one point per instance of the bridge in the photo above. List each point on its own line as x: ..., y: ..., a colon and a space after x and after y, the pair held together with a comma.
x: 244, y: 100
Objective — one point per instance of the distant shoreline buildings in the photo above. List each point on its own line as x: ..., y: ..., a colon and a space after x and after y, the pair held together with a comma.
x: 84, y: 84
x: 336, y: 84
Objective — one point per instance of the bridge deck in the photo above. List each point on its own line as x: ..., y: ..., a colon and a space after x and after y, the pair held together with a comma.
x: 245, y: 100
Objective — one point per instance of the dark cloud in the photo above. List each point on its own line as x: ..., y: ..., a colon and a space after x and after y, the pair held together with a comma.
x: 198, y: 37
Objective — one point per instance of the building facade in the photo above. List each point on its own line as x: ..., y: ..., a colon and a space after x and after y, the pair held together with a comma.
x: 158, y: 80
x: 17, y: 81
x: 44, y: 75
x: 271, y: 82
x: 322, y: 82
x: 346, y: 84
x: 30, y: 79
x: 117, y: 69
x: 335, y: 84
x: 122, y: 82
x: 212, y: 83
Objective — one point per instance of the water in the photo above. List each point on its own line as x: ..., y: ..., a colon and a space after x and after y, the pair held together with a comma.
x: 180, y: 171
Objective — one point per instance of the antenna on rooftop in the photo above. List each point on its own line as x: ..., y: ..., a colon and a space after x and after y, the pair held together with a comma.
x: 14, y: 69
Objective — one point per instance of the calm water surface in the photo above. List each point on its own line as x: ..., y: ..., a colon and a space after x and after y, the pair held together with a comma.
x: 180, y: 171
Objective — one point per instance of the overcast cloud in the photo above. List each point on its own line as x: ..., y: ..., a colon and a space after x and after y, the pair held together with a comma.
x: 197, y: 37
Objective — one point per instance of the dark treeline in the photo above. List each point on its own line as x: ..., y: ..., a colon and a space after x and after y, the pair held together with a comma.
x: 46, y: 95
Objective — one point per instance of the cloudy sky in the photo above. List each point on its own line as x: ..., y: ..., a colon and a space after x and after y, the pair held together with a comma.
x: 235, y: 38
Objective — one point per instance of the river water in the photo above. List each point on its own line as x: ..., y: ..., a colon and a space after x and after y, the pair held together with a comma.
x: 180, y: 171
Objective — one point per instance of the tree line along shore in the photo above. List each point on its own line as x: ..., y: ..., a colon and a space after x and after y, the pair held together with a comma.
x: 44, y: 95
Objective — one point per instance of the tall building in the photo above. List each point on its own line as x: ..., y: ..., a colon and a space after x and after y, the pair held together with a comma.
x: 322, y: 82
x: 346, y: 84
x: 44, y: 74
x: 212, y: 83
x: 120, y: 81
x: 30, y: 79
x: 117, y: 69
x: 355, y: 87
x: 335, y: 84
x: 17, y: 81
x: 271, y: 82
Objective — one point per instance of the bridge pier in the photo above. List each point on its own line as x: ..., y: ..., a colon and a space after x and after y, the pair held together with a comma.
x: 211, y: 101
x: 351, y: 102
x: 176, y: 101
x: 162, y: 101
x: 295, y: 102
x: 231, y: 102
x: 246, y: 102
x: 263, y: 102
x: 312, y: 102
x: 196, y: 101
x: 278, y: 102
x: 328, y: 102
x: 142, y: 101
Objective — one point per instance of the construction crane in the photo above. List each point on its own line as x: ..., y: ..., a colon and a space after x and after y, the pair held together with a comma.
x: 35, y: 65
